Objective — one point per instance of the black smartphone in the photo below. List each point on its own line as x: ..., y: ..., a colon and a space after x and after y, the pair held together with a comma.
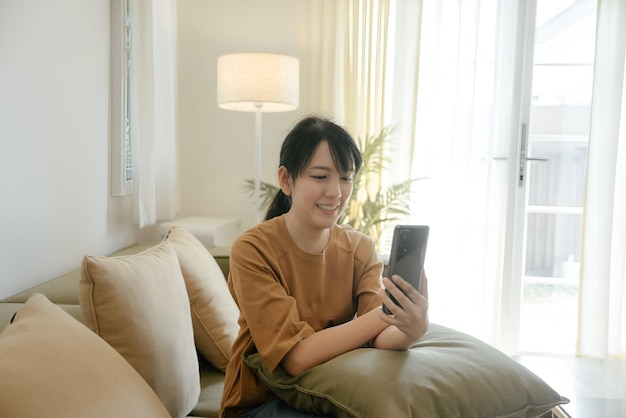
x: 408, y: 251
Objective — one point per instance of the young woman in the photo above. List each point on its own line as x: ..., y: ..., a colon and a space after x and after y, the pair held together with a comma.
x: 308, y: 289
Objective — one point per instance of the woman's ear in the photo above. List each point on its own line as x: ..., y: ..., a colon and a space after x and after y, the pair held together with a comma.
x: 284, y: 180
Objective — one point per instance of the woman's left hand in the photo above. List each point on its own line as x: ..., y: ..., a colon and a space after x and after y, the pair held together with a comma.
x: 411, y: 317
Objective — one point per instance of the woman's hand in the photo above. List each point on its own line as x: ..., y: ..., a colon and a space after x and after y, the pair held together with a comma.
x: 411, y: 317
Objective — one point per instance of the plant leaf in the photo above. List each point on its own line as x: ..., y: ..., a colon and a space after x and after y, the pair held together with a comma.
x: 267, y: 192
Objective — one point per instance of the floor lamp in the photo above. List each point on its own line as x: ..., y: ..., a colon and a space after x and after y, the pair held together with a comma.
x: 257, y: 82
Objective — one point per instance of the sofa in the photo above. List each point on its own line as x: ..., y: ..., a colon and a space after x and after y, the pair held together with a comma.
x: 146, y: 331
x: 63, y: 291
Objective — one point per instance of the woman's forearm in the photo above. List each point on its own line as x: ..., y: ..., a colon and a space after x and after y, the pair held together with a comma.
x: 391, y: 338
x: 328, y: 343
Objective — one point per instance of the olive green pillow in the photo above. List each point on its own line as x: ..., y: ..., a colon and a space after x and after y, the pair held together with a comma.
x: 445, y: 374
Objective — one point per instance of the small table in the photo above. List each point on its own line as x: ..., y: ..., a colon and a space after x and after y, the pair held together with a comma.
x: 212, y: 232
x: 595, y: 388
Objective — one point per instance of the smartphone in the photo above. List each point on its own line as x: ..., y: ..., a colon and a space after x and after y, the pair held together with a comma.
x: 408, y: 251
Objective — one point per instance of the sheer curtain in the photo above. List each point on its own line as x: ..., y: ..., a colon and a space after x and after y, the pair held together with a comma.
x: 442, y: 74
x: 602, y: 309
x: 451, y: 87
x: 153, y: 106
x: 350, y: 79
x: 456, y: 122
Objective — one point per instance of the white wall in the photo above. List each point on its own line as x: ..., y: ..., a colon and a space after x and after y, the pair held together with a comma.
x: 55, y: 204
x: 217, y: 146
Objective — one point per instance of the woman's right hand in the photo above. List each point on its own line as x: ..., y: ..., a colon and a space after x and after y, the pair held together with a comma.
x: 410, y: 318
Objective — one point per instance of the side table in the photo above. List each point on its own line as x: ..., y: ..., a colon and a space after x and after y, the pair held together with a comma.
x: 212, y: 232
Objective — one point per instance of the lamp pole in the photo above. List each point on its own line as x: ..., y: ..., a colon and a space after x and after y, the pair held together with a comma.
x: 257, y: 161
x: 257, y: 82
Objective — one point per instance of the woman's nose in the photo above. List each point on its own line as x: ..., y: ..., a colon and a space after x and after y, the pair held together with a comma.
x: 333, y: 189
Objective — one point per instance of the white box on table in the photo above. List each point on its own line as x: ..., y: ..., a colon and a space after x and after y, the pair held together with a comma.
x: 211, y: 232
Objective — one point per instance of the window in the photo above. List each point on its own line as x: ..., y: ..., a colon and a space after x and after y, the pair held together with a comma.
x: 121, y: 132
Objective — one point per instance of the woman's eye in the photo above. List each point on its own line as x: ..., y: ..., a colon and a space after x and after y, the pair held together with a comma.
x: 319, y: 177
x: 348, y: 179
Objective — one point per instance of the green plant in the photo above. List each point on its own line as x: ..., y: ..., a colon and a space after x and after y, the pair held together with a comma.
x: 371, y: 210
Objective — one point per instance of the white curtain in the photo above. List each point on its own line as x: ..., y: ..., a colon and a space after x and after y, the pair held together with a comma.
x: 350, y: 80
x: 602, y: 310
x: 153, y: 109
x: 459, y: 108
x: 452, y: 88
x: 434, y: 72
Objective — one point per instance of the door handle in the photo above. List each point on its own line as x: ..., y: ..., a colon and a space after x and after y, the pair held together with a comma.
x: 523, y: 158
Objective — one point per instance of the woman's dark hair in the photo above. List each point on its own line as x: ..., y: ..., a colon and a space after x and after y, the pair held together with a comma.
x: 300, y: 145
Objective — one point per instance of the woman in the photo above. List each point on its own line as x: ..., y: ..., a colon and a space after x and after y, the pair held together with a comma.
x: 308, y: 289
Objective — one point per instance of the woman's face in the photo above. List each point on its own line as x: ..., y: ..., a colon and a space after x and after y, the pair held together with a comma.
x: 320, y: 194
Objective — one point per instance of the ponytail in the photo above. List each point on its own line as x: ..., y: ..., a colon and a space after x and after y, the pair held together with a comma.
x: 280, y: 205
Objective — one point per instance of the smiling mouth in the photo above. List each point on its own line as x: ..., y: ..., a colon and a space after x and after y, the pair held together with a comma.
x: 328, y: 208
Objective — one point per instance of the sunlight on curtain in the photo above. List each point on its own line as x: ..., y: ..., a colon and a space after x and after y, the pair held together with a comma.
x: 464, y: 120
x: 350, y: 79
x: 453, y: 88
x: 602, y: 312
x: 154, y: 110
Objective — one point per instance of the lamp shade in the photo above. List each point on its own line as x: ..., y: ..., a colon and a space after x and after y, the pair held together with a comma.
x: 252, y: 81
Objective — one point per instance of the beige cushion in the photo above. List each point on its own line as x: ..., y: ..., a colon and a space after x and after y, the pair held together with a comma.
x: 53, y: 366
x: 213, y: 311
x: 445, y: 374
x: 138, y: 304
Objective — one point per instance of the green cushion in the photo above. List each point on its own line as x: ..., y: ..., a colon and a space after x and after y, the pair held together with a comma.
x: 445, y: 374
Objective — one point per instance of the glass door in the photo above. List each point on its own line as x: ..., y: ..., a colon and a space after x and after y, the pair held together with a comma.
x: 553, y: 154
